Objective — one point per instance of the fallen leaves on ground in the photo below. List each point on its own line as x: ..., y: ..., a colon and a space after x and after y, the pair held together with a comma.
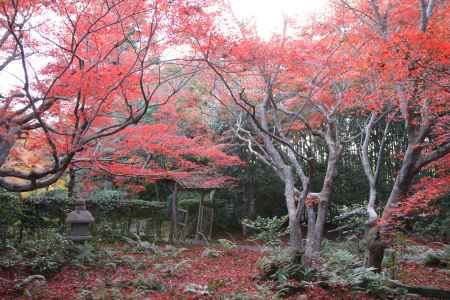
x: 187, y: 274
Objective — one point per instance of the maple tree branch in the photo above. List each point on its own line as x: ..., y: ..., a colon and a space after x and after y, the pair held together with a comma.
x: 426, y: 11
x: 432, y: 156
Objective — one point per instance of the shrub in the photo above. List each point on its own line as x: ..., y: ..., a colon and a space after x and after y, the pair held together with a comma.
x: 47, y: 255
x: 342, y: 267
x: 172, y: 270
x: 227, y: 244
x: 287, y: 271
x: 269, y: 230
x: 51, y: 254
x: 33, y: 287
x: 197, y: 289
x: 438, y: 258
x: 147, y: 283
x: 209, y: 252
x: 140, y: 246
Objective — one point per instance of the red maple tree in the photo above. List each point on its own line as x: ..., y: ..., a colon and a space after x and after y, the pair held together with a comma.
x: 104, y: 68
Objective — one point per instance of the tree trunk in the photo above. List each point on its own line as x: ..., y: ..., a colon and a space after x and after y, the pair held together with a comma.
x: 316, y: 221
x: 200, y: 217
x: 156, y: 186
x: 251, y: 198
x: 309, y: 248
x: 173, y: 215
x: 320, y: 223
x: 212, y: 200
x: 403, y: 180
x: 375, y: 247
x: 376, y: 244
x: 295, y: 231
x: 71, y: 185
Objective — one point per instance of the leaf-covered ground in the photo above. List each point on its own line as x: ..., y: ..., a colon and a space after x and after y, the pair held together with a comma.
x: 193, y: 272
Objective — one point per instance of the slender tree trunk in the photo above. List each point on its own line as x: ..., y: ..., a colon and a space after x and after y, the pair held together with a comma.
x: 295, y: 230
x: 309, y: 248
x: 295, y: 233
x: 320, y: 223
x: 200, y: 217
x: 156, y: 186
x: 316, y: 220
x: 71, y: 184
x: 173, y: 210
x: 212, y: 200
x: 251, y: 198
x: 375, y: 246
x: 403, y: 180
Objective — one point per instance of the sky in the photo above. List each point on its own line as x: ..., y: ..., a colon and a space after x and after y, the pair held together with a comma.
x: 269, y: 13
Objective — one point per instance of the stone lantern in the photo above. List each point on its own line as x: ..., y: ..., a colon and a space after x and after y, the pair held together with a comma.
x: 79, y: 221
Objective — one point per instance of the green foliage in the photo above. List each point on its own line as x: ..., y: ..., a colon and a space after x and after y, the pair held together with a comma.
x: 281, y: 264
x: 352, y: 219
x: 197, y: 289
x: 140, y: 246
x: 227, y: 244
x: 86, y: 254
x: 343, y: 267
x: 172, y: 251
x: 32, y: 217
x: 103, y: 203
x: 106, y: 233
x: 172, y: 270
x: 210, y: 252
x: 47, y: 255
x: 190, y: 204
x: 285, y: 268
x: 9, y: 209
x: 438, y: 258
x: 147, y: 283
x: 50, y: 254
x: 33, y: 287
x: 42, y: 256
x: 19, y: 217
x: 268, y: 230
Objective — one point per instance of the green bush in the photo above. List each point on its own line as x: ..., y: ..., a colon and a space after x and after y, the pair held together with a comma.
x: 343, y: 267
x: 213, y: 253
x: 268, y: 230
x: 285, y: 268
x: 438, y: 258
x: 51, y: 254
x: 227, y: 244
x: 41, y: 256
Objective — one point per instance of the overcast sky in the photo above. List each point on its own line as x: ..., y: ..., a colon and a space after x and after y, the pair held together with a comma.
x: 269, y: 13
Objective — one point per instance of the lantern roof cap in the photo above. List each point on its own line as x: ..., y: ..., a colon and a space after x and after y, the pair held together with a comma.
x: 79, y: 216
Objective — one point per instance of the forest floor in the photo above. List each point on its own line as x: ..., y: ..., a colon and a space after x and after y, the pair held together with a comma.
x: 188, y: 272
